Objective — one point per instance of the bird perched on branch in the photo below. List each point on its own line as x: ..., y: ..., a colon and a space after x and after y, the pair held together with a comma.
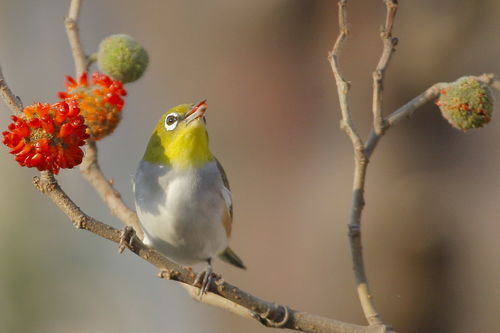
x: 182, y: 194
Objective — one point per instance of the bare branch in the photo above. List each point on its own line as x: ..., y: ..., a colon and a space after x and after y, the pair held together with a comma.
x: 389, y: 44
x: 496, y: 84
x: 342, y: 85
x: 12, y: 101
x: 222, y: 294
x: 360, y: 164
x: 92, y: 173
x: 407, y: 110
x: 358, y: 203
x: 71, y: 23
x: 91, y: 59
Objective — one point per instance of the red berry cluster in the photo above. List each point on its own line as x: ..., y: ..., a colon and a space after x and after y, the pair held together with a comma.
x: 100, y: 102
x: 47, y: 136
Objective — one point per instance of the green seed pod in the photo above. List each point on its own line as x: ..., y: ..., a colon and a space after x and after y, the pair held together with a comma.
x: 466, y: 103
x: 122, y: 58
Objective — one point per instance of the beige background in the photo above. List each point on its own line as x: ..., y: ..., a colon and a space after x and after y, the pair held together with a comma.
x: 431, y: 223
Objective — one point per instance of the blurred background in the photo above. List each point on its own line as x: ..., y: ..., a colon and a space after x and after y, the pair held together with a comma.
x: 431, y: 224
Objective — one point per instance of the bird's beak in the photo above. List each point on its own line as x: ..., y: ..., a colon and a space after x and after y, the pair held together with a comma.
x: 198, y: 111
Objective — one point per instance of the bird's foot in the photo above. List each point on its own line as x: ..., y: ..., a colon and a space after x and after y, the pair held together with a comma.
x: 126, y: 238
x: 204, y: 279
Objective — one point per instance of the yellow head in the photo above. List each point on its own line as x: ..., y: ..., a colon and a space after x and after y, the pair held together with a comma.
x: 180, y: 138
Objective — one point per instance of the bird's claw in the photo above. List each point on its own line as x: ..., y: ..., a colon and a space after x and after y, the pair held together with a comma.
x: 126, y: 238
x: 204, y: 279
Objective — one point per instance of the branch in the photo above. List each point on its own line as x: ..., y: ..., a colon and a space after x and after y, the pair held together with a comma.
x: 360, y: 164
x: 496, y: 84
x: 342, y: 85
x: 12, y: 101
x: 389, y: 44
x: 91, y: 171
x: 223, y: 294
x: 71, y: 23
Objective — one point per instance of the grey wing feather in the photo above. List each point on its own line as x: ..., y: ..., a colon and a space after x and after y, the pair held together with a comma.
x: 228, y: 255
x: 226, y: 183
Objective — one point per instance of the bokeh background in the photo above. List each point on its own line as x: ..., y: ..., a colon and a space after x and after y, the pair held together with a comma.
x: 431, y: 225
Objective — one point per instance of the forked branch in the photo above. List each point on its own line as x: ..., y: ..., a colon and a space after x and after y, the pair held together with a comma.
x: 360, y: 164
x: 362, y: 153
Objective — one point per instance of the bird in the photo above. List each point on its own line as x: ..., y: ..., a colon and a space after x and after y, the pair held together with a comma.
x: 182, y: 195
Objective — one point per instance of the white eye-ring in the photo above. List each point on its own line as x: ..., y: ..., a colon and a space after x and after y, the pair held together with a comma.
x: 171, y: 121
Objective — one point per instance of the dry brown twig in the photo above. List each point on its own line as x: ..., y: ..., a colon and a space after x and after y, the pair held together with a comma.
x: 389, y: 44
x: 223, y: 294
x: 71, y: 23
x: 12, y: 101
x: 360, y: 158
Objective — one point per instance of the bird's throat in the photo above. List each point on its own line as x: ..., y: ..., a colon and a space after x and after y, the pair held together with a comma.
x: 188, y: 149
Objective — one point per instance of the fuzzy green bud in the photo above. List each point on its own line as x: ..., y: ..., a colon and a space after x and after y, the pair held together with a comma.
x: 122, y: 58
x: 466, y: 103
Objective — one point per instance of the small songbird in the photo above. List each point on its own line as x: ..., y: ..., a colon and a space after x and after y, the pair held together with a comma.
x: 182, y: 194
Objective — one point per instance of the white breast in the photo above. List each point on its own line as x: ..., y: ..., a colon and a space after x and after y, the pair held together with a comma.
x: 181, y: 210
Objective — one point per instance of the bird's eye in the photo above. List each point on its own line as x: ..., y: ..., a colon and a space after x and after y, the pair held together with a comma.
x: 171, y: 121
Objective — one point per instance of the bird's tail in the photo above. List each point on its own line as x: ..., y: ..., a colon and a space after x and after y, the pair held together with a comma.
x: 232, y: 258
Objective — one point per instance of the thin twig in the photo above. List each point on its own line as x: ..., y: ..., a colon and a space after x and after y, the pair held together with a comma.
x: 360, y: 164
x: 12, y: 101
x: 222, y: 294
x: 71, y: 23
x: 342, y: 85
x: 407, y: 110
x: 92, y: 173
x: 496, y: 84
x: 91, y: 59
x: 389, y: 44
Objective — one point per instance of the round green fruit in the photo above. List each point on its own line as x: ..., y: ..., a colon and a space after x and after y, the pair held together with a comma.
x: 122, y: 58
x: 466, y: 103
